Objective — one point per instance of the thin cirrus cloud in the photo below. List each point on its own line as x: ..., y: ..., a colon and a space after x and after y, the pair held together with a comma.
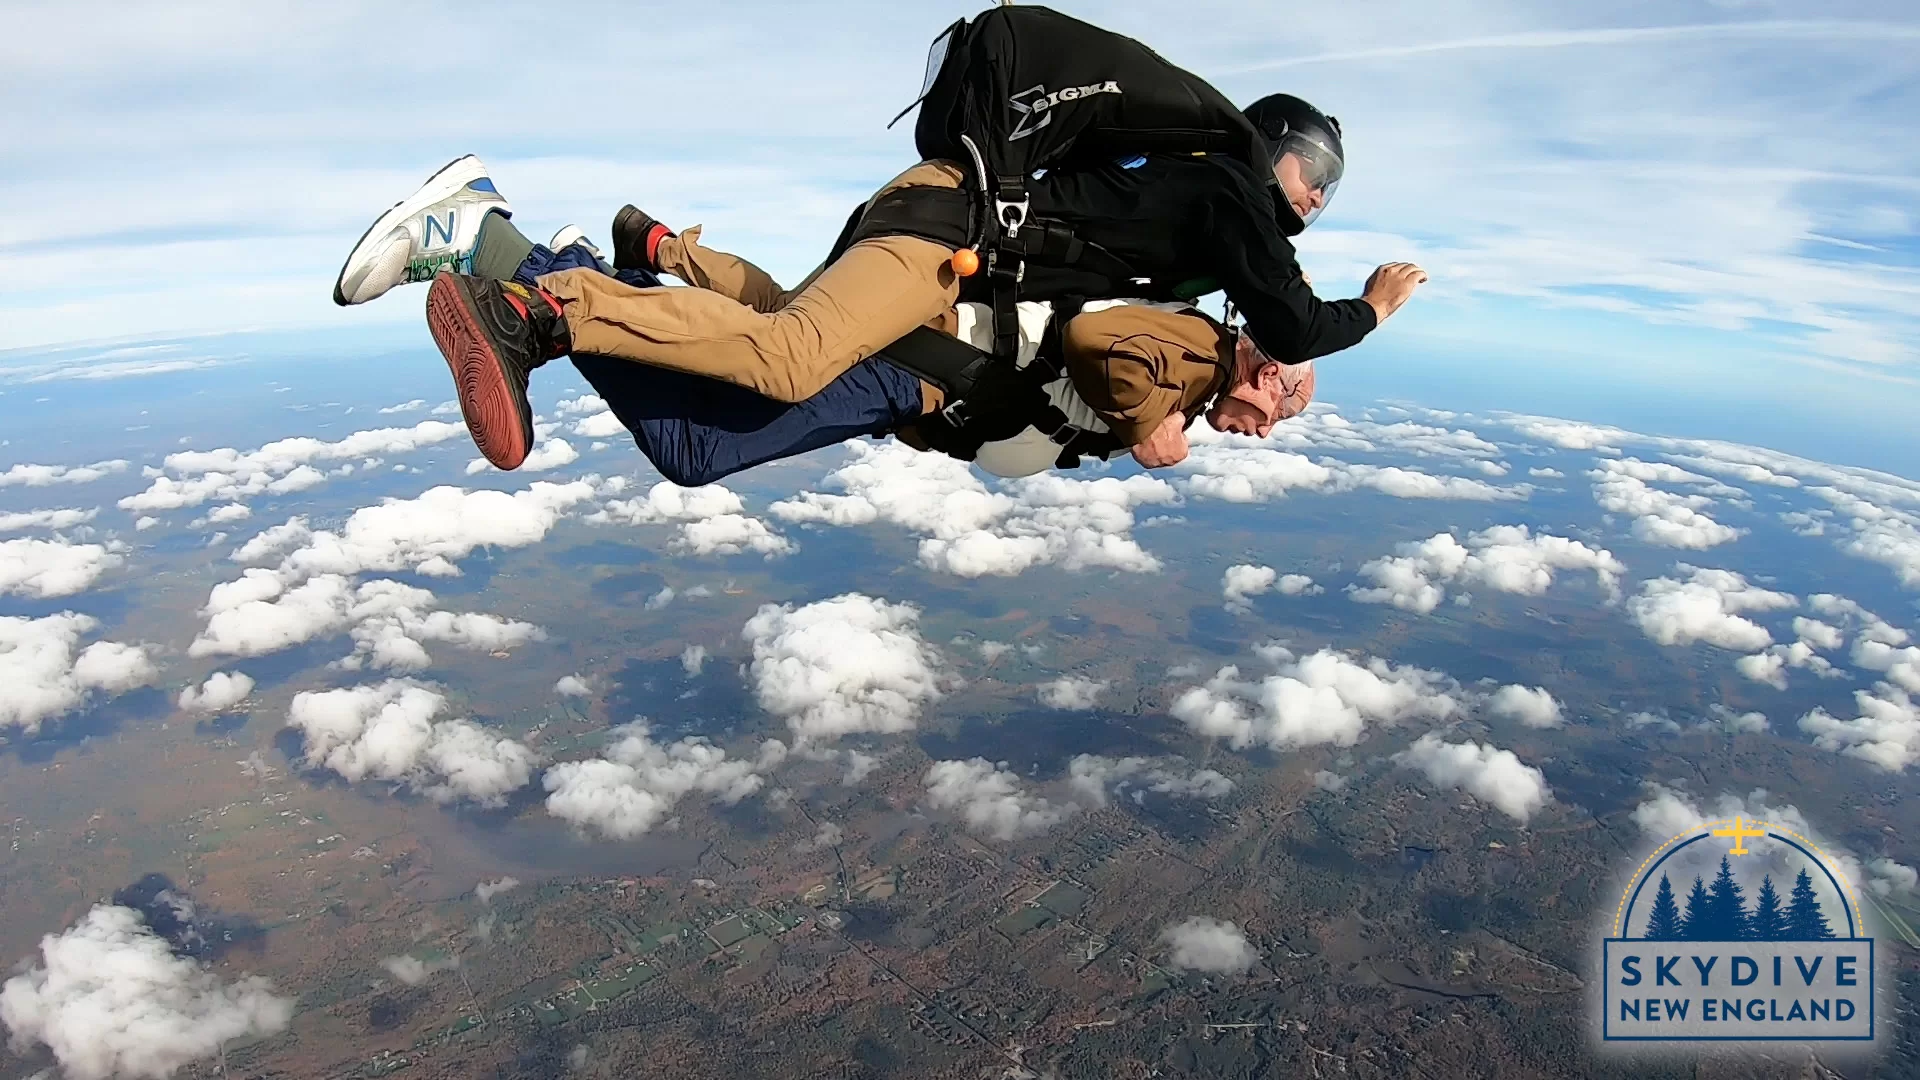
x: 1611, y: 168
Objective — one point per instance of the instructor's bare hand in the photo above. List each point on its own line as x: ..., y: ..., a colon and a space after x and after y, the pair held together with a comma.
x: 1391, y: 286
x: 1166, y: 446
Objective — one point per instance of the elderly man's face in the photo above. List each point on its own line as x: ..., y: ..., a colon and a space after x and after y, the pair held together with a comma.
x: 1265, y: 393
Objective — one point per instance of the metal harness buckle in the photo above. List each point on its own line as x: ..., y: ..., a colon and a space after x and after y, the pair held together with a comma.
x: 1012, y: 215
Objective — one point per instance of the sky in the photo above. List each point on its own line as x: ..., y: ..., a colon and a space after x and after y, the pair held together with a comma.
x: 1702, y: 212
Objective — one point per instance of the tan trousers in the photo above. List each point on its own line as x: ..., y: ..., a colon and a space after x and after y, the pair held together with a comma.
x: 1132, y: 362
x: 786, y: 346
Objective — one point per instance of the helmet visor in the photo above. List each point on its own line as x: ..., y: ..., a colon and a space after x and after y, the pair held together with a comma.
x: 1319, y: 167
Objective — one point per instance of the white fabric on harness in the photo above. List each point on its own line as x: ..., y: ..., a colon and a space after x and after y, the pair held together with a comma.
x: 1031, y: 451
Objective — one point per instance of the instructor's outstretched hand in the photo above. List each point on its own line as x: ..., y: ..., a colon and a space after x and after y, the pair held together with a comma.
x: 1391, y: 286
x: 1166, y: 446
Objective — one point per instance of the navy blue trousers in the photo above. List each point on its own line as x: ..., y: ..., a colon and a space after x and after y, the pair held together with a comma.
x: 696, y: 430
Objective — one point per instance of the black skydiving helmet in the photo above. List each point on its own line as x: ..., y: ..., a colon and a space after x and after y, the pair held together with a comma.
x: 1293, y: 127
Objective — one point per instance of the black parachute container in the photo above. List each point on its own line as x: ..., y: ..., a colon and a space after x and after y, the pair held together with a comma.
x: 1022, y: 88
x: 1018, y: 89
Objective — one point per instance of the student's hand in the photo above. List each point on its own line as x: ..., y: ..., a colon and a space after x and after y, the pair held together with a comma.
x: 1391, y: 286
x: 1166, y: 446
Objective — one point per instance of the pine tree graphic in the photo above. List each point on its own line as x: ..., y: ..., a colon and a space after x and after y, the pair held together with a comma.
x: 1726, y: 907
x: 1805, y: 920
x: 1663, y: 923
x: 1768, y: 922
x: 1696, y: 923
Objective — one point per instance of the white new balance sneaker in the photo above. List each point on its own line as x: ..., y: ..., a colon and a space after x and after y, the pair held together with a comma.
x: 433, y: 229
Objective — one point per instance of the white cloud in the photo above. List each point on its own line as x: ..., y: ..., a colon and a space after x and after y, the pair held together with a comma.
x: 826, y: 836
x: 426, y: 534
x: 549, y: 455
x: 1886, y: 732
x: 1505, y: 558
x: 635, y: 787
x: 1817, y: 634
x: 222, y: 691
x: 273, y: 540
x: 848, y: 664
x: 1096, y: 778
x: 1567, y: 435
x: 413, y: 971
x: 991, y: 800
x: 859, y: 767
x: 1547, y: 474
x: 1531, y: 705
x: 572, y: 686
x: 257, y: 614
x: 1494, y: 776
x: 44, y: 569
x: 221, y: 515
x: 660, y: 599
x: 1743, y: 471
x: 600, y: 425
x: 1661, y: 517
x: 970, y: 531
x: 1705, y: 608
x: 192, y: 477
x: 1889, y: 878
x: 712, y: 520
x: 487, y: 890
x: 1072, y: 693
x: 693, y: 658
x: 584, y: 405
x: 1771, y: 666
x: 24, y: 475
x: 1211, y: 945
x: 108, y: 998
x: 47, y: 674
x: 414, y: 405
x: 1243, y: 581
x: 390, y: 732
x: 1323, y: 698
x: 1330, y: 781
x: 1737, y: 722
x: 46, y: 519
x: 393, y: 619
x: 1297, y: 585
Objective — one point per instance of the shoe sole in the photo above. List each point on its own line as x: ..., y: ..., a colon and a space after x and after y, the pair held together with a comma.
x: 449, y: 179
x: 487, y: 401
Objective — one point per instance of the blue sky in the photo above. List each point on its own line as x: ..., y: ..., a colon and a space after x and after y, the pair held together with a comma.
x: 1711, y: 202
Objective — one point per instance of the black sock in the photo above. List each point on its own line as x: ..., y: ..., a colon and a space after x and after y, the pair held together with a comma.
x: 499, y: 249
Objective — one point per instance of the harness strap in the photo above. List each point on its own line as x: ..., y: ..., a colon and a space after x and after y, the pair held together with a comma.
x: 942, y: 215
x: 942, y: 359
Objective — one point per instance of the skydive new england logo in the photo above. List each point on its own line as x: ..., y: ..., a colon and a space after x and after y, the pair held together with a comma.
x: 1764, y: 945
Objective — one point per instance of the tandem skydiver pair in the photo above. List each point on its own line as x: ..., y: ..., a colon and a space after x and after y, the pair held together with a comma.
x: 1084, y: 311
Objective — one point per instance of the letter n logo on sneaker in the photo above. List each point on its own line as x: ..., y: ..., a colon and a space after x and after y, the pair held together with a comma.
x: 446, y: 231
